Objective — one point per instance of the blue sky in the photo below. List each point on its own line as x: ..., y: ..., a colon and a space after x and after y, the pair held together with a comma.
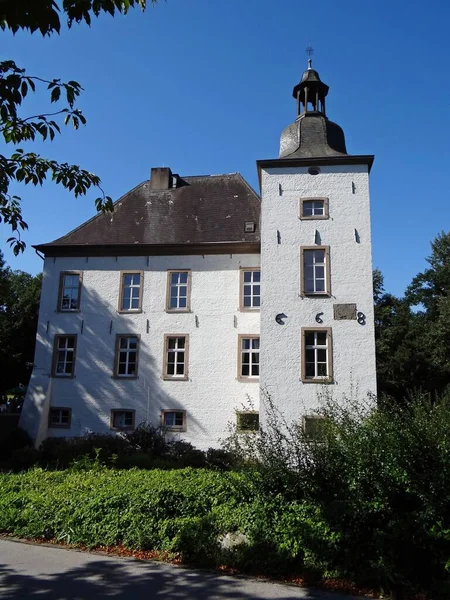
x: 204, y: 86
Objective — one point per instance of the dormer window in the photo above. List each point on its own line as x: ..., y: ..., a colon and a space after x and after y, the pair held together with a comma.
x: 249, y: 227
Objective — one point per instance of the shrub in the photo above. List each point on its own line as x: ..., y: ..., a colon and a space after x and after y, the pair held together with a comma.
x: 61, y: 452
x: 147, y: 439
x: 185, y: 454
x: 13, y: 440
x: 219, y: 458
x: 147, y: 447
x: 166, y: 510
x: 367, y: 497
x: 379, y: 482
x: 22, y: 459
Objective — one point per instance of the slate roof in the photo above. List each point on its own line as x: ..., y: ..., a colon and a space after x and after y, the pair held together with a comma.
x: 206, y: 209
x: 312, y: 135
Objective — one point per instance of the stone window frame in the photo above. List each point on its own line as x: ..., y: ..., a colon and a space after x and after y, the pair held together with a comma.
x: 59, y: 424
x: 177, y: 428
x: 311, y: 419
x: 188, y: 291
x: 121, y: 290
x: 327, y: 292
x: 120, y: 336
x: 61, y: 286
x: 326, y: 208
x: 329, y: 348
x: 56, y: 349
x: 243, y: 308
x: 248, y: 336
x: 185, y: 376
x: 124, y: 427
x: 239, y: 418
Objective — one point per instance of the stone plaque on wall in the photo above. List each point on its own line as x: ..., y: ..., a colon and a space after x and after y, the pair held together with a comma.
x: 344, y: 312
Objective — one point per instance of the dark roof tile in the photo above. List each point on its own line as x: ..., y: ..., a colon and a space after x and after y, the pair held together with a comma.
x: 201, y: 209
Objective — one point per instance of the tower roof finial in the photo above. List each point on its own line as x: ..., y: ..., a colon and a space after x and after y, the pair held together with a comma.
x: 309, y: 52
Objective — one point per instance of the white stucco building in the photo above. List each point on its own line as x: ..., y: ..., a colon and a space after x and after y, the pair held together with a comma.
x: 196, y: 297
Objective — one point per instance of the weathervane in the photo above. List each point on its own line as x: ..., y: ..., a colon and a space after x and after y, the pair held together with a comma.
x: 309, y: 52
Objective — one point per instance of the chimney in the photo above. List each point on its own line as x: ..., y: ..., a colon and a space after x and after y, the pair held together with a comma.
x: 160, y: 178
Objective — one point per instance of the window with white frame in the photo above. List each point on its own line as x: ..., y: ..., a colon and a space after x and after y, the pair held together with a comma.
x: 248, y: 357
x: 127, y: 349
x: 64, y: 355
x: 59, y: 417
x: 178, y: 291
x: 69, y: 291
x: 174, y: 420
x: 122, y: 419
x: 131, y: 292
x: 176, y: 357
x: 316, y: 363
x: 314, y: 208
x: 250, y: 289
x: 315, y: 263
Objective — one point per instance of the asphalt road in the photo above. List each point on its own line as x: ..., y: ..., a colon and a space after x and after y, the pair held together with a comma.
x: 39, y: 572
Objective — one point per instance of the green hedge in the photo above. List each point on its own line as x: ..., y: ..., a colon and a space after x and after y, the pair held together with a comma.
x: 367, y: 498
x: 184, y: 511
x: 141, y: 509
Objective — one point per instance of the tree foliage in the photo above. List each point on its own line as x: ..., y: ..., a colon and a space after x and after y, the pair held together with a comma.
x: 413, y: 333
x: 16, y: 83
x: 367, y: 496
x: 45, y: 15
x: 19, y: 308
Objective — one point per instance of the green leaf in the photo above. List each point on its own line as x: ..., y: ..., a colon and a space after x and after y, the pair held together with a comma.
x: 55, y: 95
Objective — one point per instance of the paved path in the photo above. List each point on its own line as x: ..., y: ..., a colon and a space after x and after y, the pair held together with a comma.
x: 42, y: 573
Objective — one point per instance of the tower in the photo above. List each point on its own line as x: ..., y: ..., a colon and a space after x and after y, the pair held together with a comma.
x: 317, y: 322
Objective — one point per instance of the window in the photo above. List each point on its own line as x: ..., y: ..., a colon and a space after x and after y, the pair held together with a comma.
x: 249, y: 227
x: 175, y: 357
x: 247, y: 420
x: 64, y: 355
x: 122, y: 419
x: 127, y: 351
x: 69, y: 291
x: 130, y: 299
x: 59, y: 417
x: 316, y: 271
x: 174, y: 420
x: 250, y: 289
x: 314, y: 208
x: 316, y: 355
x: 314, y: 426
x: 248, y: 357
x: 178, y: 291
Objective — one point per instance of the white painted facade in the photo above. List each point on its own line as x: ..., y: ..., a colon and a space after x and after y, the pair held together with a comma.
x: 212, y: 393
x: 347, y: 234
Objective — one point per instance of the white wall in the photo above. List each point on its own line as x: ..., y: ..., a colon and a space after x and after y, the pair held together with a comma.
x: 351, y: 282
x: 211, y: 394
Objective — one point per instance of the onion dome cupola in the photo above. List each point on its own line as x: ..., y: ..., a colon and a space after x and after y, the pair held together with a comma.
x: 312, y: 135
